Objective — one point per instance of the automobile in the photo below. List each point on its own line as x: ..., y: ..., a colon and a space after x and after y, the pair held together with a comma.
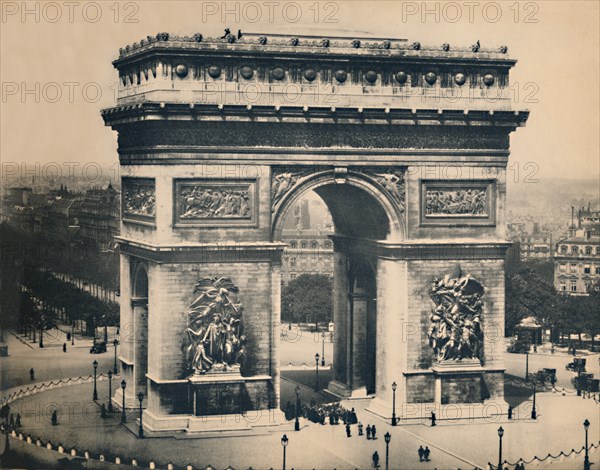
x: 585, y: 381
x: 595, y: 347
x: 519, y: 348
x: 98, y: 348
x: 546, y: 375
x: 578, y: 365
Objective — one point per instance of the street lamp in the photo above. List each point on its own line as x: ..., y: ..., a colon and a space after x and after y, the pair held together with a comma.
x: 123, y: 418
x: 500, y: 434
x: 284, y: 443
x: 297, y: 424
x: 95, y: 364
x: 586, y: 462
x: 317, y: 372
x: 394, y: 419
x: 110, y: 376
x: 533, y: 412
x: 578, y: 380
x: 387, y: 438
x: 323, y: 351
x: 115, y: 342
x: 526, y: 366
x: 141, y: 429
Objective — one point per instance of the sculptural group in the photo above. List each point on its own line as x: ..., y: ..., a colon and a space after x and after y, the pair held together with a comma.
x: 215, y: 327
x: 456, y: 332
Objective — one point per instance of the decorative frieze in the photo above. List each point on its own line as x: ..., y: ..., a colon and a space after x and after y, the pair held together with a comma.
x: 458, y: 202
x: 138, y: 199
x: 221, y: 202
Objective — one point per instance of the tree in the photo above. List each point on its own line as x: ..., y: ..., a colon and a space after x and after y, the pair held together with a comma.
x: 308, y: 298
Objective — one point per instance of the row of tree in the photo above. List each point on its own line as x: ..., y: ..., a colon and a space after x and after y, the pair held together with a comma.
x: 307, y: 299
x: 529, y: 294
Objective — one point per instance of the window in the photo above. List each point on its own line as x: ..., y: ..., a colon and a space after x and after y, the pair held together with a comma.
x: 563, y: 268
x: 563, y: 286
x: 314, y: 245
x: 293, y: 244
x: 587, y: 269
x: 588, y: 250
x: 293, y: 276
x: 597, y: 269
x: 293, y: 262
x: 563, y: 248
x: 598, y: 250
x: 574, y: 249
x: 304, y: 244
x: 573, y: 286
x: 573, y: 268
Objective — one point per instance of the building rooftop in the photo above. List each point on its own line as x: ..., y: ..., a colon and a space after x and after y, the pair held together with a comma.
x: 311, y: 45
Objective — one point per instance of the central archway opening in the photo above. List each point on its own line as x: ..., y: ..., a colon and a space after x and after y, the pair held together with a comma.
x: 327, y: 228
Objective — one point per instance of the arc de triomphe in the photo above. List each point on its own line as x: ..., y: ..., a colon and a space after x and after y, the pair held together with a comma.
x: 407, y: 146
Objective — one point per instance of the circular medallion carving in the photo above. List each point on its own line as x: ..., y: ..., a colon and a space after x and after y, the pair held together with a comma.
x: 401, y: 77
x: 341, y: 76
x: 460, y: 78
x: 214, y: 71
x: 181, y: 70
x: 278, y: 73
x: 488, y: 79
x: 247, y: 72
x: 431, y: 77
x: 371, y: 76
x: 310, y: 74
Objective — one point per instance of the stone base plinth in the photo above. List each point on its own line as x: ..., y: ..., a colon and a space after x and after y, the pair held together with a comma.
x: 341, y: 390
x: 209, y: 426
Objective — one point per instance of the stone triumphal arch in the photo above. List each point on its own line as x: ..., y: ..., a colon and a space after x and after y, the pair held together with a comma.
x: 407, y: 146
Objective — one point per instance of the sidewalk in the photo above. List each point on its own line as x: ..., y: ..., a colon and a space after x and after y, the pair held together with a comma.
x: 558, y: 428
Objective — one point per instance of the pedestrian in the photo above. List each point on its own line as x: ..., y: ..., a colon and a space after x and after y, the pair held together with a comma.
x: 54, y: 418
x: 68, y: 336
x: 535, y: 348
x: 421, y: 453
x: 426, y: 454
x: 368, y: 431
x: 12, y: 420
x: 103, y: 411
x: 552, y: 349
x: 348, y: 433
x: 18, y: 420
x: 32, y: 374
x: 64, y: 347
x: 360, y: 429
x: 510, y: 412
x: 373, y: 431
x: 375, y: 459
x: 433, y: 418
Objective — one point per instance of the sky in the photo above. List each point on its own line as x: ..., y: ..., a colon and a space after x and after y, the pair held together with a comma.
x: 56, y: 71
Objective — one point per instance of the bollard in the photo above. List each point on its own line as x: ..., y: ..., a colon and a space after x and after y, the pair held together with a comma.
x: 13, y: 433
x: 170, y: 466
x: 152, y: 466
x: 73, y: 453
x: 28, y: 439
x: 86, y: 454
x: 134, y: 463
x: 49, y: 446
x: 118, y: 460
x: 101, y: 458
x: 38, y: 443
x: 189, y: 467
x: 20, y: 436
x: 61, y: 449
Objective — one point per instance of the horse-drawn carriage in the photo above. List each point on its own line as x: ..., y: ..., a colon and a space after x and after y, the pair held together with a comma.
x: 578, y: 365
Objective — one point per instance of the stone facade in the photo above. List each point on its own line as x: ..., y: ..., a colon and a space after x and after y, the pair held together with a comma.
x: 376, y: 146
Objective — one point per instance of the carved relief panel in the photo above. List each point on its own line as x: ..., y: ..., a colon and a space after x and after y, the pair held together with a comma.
x: 458, y: 202
x: 138, y: 200
x: 215, y: 202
